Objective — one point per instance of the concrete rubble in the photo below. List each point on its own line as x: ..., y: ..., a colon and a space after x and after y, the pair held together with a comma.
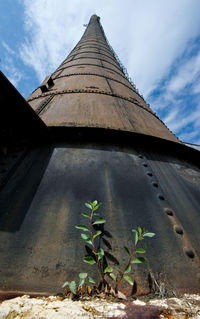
x: 185, y: 307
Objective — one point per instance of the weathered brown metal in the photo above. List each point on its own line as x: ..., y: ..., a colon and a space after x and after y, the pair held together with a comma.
x: 91, y: 109
x: 102, y: 142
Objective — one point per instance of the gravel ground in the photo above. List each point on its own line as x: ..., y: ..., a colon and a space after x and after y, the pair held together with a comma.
x: 185, y: 307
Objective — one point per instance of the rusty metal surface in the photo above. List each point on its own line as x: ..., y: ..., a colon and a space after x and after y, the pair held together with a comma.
x: 93, y: 55
x: 114, y: 112
x: 137, y: 186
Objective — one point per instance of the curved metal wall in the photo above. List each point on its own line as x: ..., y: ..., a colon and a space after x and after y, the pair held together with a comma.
x: 41, y: 247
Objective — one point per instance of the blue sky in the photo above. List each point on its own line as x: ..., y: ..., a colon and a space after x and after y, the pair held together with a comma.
x: 158, y: 41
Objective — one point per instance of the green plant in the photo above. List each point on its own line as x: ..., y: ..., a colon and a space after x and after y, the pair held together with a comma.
x: 98, y: 253
x: 122, y: 274
x: 91, y: 238
x: 72, y: 284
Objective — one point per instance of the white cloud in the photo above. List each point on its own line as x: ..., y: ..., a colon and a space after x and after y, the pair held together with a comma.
x: 171, y: 116
x: 8, y: 49
x: 187, y: 74
x: 54, y: 28
x: 177, y: 119
x: 196, y: 87
x: 13, y: 73
x: 182, y: 113
x: 188, y: 135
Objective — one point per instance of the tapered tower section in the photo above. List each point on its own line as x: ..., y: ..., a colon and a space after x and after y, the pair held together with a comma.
x: 91, y: 136
x: 91, y: 89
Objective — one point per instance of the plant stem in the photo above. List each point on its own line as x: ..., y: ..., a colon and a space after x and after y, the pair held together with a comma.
x: 95, y: 252
x: 128, y: 264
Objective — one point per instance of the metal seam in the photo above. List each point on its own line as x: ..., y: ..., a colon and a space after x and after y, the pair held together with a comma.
x: 100, y: 75
x: 41, y: 107
x: 132, y: 100
x: 95, y: 59
x: 92, y: 47
x: 57, y: 76
x: 73, y: 55
x: 95, y: 40
x: 105, y: 67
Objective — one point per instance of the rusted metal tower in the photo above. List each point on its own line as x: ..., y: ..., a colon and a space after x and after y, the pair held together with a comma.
x: 92, y: 136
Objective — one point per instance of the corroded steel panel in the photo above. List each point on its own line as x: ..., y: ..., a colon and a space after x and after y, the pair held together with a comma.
x: 73, y: 109
x: 82, y: 82
x: 137, y: 187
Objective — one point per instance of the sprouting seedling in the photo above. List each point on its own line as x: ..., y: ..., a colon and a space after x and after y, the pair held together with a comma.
x: 138, y: 235
x: 82, y: 278
x: 71, y: 285
x: 90, y: 239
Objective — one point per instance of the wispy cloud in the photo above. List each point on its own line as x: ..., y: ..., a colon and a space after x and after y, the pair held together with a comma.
x: 13, y: 73
x: 178, y: 101
x: 188, y: 72
x: 8, y: 49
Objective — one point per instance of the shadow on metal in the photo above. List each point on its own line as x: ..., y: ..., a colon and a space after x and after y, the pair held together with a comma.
x: 17, y: 195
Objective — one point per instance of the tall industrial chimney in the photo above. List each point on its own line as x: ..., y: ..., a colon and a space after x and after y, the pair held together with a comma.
x: 92, y: 136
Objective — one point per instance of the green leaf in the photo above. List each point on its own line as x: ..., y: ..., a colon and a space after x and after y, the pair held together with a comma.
x: 128, y: 269
x: 86, y: 238
x: 138, y: 260
x: 149, y: 235
x: 95, y: 203
x: 89, y: 259
x: 83, y: 227
x: 96, y: 207
x: 140, y: 251
x: 66, y: 283
x: 88, y: 205
x: 91, y: 204
x: 100, y: 253
x: 97, y: 234
x: 135, y: 236
x: 85, y: 215
x: 81, y: 282
x: 140, y: 230
x: 108, y: 269
x: 72, y: 287
x: 91, y: 280
x: 128, y: 278
x: 83, y: 275
x: 113, y: 277
x: 127, y: 250
x: 99, y: 221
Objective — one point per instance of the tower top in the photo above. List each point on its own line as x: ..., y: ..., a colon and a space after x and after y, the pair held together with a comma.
x: 94, y: 17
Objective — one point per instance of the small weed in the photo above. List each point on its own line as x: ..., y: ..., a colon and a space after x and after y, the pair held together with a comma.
x: 122, y: 274
x: 90, y: 236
